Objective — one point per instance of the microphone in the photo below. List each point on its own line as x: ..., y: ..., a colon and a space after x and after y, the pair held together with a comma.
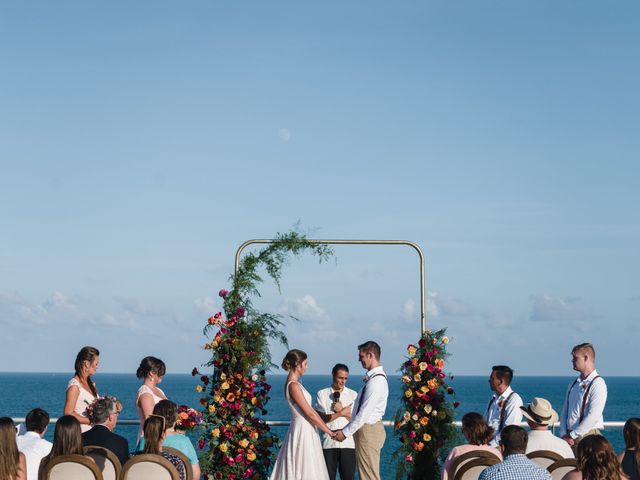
x: 336, y: 396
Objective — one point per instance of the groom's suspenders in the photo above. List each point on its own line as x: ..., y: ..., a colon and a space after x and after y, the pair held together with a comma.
x: 364, y: 389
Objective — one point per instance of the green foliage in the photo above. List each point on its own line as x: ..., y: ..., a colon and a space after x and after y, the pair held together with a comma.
x: 424, y: 423
x: 237, y: 440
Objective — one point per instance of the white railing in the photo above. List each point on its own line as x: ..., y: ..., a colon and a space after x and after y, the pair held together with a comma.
x: 285, y: 423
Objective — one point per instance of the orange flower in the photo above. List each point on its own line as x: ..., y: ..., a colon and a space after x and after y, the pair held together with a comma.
x: 230, y: 397
x: 424, y: 421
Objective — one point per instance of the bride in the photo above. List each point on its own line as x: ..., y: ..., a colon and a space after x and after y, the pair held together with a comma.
x: 300, y: 457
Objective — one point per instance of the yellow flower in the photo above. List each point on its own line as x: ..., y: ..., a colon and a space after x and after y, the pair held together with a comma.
x: 411, y: 350
x: 217, y: 398
x: 427, y: 409
x: 223, y: 447
x: 244, y: 442
x: 212, y: 408
x: 255, y: 435
x: 223, y: 376
x: 406, y: 416
x: 417, y: 377
x: 254, y: 400
x: 215, y: 432
x: 432, y: 384
x: 199, y: 388
x: 423, y: 366
x: 426, y: 437
x: 224, y: 386
x: 445, y: 340
x: 214, y: 344
x: 408, y: 393
x: 251, y: 456
x: 406, y: 378
x: 434, y: 413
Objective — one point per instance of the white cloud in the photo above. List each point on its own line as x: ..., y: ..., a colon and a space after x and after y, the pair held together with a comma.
x: 546, y: 308
x: 305, y: 307
x: 439, y: 305
x: 284, y: 134
x: 207, y: 305
x: 15, y: 309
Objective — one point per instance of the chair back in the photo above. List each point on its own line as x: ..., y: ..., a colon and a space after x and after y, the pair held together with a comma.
x: 472, y: 469
x: 70, y: 467
x: 187, y: 464
x: 560, y: 468
x: 467, y: 457
x: 149, y: 467
x: 106, y: 460
x: 544, y: 458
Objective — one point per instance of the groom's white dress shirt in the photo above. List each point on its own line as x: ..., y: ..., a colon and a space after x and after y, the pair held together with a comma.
x: 34, y: 449
x: 512, y: 413
x: 594, y: 406
x: 374, y: 402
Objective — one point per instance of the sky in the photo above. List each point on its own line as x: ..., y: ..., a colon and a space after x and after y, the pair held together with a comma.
x: 142, y: 142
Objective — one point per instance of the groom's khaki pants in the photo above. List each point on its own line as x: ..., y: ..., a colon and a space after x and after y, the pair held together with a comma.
x: 369, y: 441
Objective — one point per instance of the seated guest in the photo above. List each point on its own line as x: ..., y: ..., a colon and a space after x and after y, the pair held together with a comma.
x: 13, y: 464
x: 32, y: 443
x: 173, y: 439
x: 630, y: 458
x: 67, y: 439
x: 540, y: 415
x: 516, y: 465
x: 596, y: 460
x: 155, y: 427
x: 478, y: 434
x: 104, y: 416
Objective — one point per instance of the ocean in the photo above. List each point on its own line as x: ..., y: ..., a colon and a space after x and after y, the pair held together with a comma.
x: 20, y: 392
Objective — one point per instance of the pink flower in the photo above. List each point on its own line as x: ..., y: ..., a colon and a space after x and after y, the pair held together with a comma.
x: 412, y: 434
x: 223, y: 293
x: 240, y: 311
x: 409, y: 458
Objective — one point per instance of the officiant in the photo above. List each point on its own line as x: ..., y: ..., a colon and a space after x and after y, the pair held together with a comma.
x: 334, y: 405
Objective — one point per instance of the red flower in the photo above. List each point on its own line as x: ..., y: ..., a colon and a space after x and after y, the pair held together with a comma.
x: 194, y: 372
x: 223, y: 293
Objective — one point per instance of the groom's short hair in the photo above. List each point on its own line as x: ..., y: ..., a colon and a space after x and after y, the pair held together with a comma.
x: 370, y: 347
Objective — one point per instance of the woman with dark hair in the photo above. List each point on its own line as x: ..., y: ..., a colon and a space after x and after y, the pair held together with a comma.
x: 301, y: 453
x: 478, y: 435
x: 81, y: 389
x: 154, y: 435
x: 152, y: 370
x: 169, y: 411
x: 67, y: 439
x: 630, y: 458
x: 596, y: 461
x: 13, y: 464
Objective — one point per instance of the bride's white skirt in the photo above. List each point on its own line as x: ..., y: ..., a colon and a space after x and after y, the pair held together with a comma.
x: 300, y: 457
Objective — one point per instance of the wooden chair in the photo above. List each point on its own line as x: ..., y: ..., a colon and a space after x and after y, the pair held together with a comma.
x: 467, y: 457
x: 70, y: 467
x: 187, y: 464
x: 544, y: 458
x: 560, y: 468
x: 106, y: 460
x: 149, y: 467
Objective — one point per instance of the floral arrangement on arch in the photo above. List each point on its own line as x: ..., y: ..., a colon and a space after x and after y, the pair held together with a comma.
x: 237, y: 442
x: 188, y: 418
x: 424, y: 423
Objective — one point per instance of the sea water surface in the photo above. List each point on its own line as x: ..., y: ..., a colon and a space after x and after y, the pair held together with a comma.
x: 20, y: 392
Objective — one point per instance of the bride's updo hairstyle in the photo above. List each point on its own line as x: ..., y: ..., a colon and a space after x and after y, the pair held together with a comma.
x: 292, y: 359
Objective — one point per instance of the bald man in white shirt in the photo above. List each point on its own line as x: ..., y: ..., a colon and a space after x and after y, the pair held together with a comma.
x: 582, y: 413
x: 369, y: 407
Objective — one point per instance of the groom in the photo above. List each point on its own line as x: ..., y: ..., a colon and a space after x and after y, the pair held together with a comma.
x: 368, y: 410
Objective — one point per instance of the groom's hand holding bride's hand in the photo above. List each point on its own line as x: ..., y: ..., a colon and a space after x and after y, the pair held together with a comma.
x: 339, y: 436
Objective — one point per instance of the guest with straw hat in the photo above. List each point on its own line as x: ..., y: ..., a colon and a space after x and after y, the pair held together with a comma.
x: 540, y: 415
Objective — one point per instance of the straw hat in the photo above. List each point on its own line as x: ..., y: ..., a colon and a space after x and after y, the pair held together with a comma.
x: 540, y: 411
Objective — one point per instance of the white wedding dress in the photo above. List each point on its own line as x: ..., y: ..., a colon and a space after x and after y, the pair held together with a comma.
x: 300, y: 457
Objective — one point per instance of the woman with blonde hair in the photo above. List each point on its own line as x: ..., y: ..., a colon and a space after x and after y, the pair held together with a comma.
x: 596, y: 460
x: 81, y: 389
x: 301, y: 453
x: 13, y: 464
x: 630, y: 458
